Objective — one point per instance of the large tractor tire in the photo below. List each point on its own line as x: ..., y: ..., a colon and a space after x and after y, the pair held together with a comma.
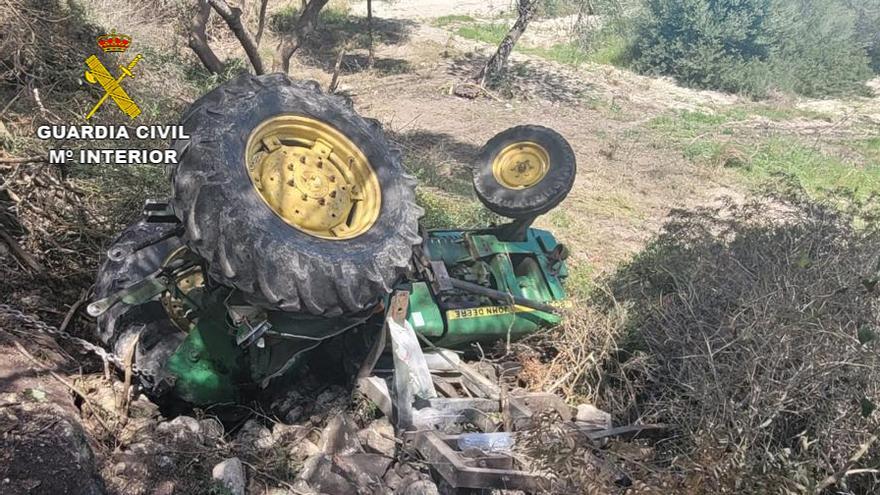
x: 293, y: 198
x: 524, y: 171
x: 121, y: 324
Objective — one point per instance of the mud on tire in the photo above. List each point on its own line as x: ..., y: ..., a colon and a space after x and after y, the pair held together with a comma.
x: 246, y: 244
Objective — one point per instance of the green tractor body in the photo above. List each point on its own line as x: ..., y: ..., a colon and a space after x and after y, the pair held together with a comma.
x: 220, y: 361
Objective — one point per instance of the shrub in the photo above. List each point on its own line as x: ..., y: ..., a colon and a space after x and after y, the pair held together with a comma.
x: 808, y: 47
x: 761, y: 326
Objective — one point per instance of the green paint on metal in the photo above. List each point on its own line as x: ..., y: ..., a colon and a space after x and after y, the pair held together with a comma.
x: 207, y: 365
x: 520, y: 268
x: 423, y: 313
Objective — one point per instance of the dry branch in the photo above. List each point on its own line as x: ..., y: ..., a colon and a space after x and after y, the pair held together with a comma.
x: 232, y: 16
x: 291, y: 42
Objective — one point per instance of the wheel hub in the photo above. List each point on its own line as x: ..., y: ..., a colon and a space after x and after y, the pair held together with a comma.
x: 313, y: 177
x: 521, y: 165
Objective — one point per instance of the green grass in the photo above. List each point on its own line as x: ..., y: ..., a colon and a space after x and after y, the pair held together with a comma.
x: 446, y: 20
x: 443, y: 211
x: 564, y: 53
x: 487, y: 33
x: 703, y: 139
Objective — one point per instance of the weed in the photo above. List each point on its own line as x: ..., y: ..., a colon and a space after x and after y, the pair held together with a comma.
x: 491, y: 33
x: 445, y: 212
x: 446, y: 20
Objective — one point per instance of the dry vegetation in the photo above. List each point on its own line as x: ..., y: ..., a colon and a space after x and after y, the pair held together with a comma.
x: 752, y: 328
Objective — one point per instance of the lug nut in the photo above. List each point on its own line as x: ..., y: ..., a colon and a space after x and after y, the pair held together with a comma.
x: 320, y: 164
x: 332, y: 178
x: 305, y: 196
x: 291, y: 183
x: 321, y: 201
x: 332, y: 194
x: 302, y: 159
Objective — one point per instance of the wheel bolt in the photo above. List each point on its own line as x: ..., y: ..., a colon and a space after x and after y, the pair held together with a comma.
x: 302, y: 159
x: 321, y: 201
x: 332, y: 194
x: 305, y: 197
x: 332, y: 178
x: 291, y: 183
x: 320, y: 164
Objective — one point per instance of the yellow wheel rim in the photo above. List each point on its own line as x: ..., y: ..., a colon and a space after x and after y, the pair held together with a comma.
x: 521, y: 165
x: 313, y: 177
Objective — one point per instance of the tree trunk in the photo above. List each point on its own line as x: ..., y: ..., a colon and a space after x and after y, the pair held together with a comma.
x: 232, y: 16
x: 497, y: 63
x: 198, y: 39
x: 290, y: 42
x: 370, y: 32
x: 262, y: 22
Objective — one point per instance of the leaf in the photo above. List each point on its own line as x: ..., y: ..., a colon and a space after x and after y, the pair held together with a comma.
x: 866, y: 334
x: 867, y: 407
x: 36, y: 394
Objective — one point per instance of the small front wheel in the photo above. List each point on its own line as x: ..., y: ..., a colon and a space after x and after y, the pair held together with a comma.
x: 524, y: 171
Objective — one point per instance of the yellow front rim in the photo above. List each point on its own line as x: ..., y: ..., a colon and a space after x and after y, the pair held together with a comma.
x: 521, y: 165
x: 313, y: 177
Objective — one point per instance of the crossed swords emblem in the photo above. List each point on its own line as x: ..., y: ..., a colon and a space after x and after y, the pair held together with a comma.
x: 97, y: 73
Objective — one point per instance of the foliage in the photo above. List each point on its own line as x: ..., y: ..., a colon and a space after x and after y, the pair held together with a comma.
x: 808, y: 47
x: 761, y: 322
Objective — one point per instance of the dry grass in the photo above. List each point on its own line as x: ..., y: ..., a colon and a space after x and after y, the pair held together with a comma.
x: 753, y: 329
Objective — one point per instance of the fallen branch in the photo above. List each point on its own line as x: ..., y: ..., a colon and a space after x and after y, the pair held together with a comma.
x: 835, y: 478
x: 21, y: 253
x: 73, y: 388
x: 26, y: 159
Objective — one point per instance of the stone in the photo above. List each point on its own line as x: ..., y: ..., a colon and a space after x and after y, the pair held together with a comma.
x: 164, y: 488
x: 254, y: 435
x: 340, y: 436
x: 293, y: 414
x: 421, y: 487
x: 182, y: 429
x: 392, y: 480
x: 318, y: 473
x: 593, y: 416
x: 230, y: 474
x: 378, y: 437
x: 212, y: 429
x: 331, y: 394
x: 365, y: 470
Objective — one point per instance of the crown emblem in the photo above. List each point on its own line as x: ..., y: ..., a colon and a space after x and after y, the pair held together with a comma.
x: 114, y: 42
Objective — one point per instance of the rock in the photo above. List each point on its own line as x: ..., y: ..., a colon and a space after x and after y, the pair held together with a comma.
x: 289, y: 406
x: 593, y: 416
x: 318, y: 473
x: 181, y: 430
x: 331, y: 394
x: 340, y: 437
x: 164, y: 488
x: 230, y: 474
x: 421, y: 487
x: 365, y: 470
x: 212, y: 429
x: 378, y: 437
x: 255, y: 435
x: 392, y: 480
x: 293, y: 414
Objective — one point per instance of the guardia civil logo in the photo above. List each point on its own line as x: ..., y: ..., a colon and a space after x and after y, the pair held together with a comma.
x: 98, y: 74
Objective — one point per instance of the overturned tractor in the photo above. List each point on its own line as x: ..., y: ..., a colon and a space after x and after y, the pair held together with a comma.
x: 293, y: 222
